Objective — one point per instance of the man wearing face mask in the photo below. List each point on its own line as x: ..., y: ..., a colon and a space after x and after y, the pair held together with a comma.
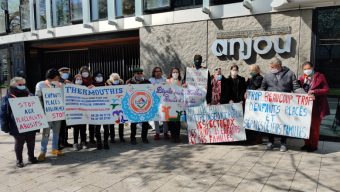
x: 63, y: 135
x: 198, y: 66
x: 138, y: 78
x: 52, y: 81
x: 279, y: 79
x: 113, y: 81
x: 17, y: 89
x: 220, y: 92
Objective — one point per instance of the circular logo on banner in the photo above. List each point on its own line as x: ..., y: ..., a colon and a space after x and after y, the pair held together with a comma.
x: 140, y: 102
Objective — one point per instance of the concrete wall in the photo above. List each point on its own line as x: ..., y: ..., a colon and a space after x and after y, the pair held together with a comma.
x: 175, y: 45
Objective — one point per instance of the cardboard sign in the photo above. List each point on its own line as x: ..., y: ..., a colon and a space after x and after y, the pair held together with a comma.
x: 196, y: 91
x: 53, y: 104
x: 215, y: 123
x: 278, y: 113
x: 28, y: 113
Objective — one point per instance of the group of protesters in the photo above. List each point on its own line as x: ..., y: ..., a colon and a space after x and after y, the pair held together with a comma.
x: 220, y: 90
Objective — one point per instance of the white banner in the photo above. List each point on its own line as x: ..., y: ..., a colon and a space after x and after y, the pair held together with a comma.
x: 196, y: 91
x: 53, y: 104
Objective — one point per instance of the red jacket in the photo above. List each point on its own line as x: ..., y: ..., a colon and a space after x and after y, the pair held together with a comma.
x: 320, y: 87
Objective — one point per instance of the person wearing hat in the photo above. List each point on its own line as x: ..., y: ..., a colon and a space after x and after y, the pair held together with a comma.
x: 138, y: 78
x: 52, y: 81
x: 63, y: 135
x: 113, y: 81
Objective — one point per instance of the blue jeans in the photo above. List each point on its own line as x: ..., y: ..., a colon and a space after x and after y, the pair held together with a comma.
x: 55, y: 126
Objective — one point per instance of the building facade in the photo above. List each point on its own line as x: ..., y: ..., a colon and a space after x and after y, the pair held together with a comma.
x: 119, y: 35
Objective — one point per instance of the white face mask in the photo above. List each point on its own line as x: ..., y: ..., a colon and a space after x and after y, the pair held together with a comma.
x: 274, y: 71
x: 85, y: 74
x: 65, y: 76
x: 78, y: 81
x: 115, y: 82
x: 99, y: 79
x: 21, y: 87
x: 175, y: 75
x: 308, y: 72
x: 234, y: 73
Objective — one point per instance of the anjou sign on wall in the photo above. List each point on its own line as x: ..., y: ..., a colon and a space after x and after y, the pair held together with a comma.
x: 261, y: 44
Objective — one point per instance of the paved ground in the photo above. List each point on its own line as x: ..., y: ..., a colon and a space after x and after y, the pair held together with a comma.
x: 164, y: 166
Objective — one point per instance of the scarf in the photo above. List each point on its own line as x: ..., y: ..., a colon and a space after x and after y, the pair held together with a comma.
x: 216, y: 91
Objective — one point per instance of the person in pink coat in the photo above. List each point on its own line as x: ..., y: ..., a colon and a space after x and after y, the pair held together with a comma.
x: 315, y: 84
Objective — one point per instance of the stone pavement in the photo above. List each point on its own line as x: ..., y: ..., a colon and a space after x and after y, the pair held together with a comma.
x: 164, y: 166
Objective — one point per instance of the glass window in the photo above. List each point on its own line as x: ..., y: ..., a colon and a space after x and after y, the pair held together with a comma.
x: 125, y: 8
x: 76, y: 10
x: 220, y: 2
x: 14, y: 16
x: 41, y: 14
x: 98, y: 9
x: 25, y: 15
x: 61, y: 12
x: 187, y: 3
x: 156, y: 4
x: 4, y: 66
x: 2, y: 22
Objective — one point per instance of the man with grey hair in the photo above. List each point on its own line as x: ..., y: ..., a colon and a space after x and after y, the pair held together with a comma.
x: 279, y: 79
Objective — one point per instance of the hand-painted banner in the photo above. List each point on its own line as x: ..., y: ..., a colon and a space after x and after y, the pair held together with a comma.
x: 141, y: 103
x: 53, y: 104
x: 196, y: 91
x: 215, y: 123
x: 98, y: 105
x: 285, y: 114
x: 28, y: 113
x: 172, y: 106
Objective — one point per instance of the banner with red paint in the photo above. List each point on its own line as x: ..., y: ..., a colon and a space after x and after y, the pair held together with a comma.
x: 287, y: 114
x: 215, y: 123
x: 28, y: 113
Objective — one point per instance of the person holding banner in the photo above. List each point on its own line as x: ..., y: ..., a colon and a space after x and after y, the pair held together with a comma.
x: 113, y: 81
x: 52, y: 81
x: 79, y: 129
x: 8, y: 125
x: 279, y: 79
x: 98, y: 81
x: 237, y: 85
x: 220, y: 90
x: 63, y: 135
x: 315, y: 84
x: 174, y: 126
x: 157, y: 78
x: 87, y: 81
x: 138, y: 78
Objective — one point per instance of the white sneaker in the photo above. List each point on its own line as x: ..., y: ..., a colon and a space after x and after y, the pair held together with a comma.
x: 283, y: 148
x: 269, y: 146
x: 75, y: 147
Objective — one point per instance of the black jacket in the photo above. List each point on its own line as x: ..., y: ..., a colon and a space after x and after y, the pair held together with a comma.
x: 255, y: 82
x: 237, y: 87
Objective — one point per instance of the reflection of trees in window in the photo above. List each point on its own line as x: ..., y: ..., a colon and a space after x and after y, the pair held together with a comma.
x: 4, y: 57
x: 14, y: 16
x: 329, y: 23
x: 2, y: 21
x: 125, y: 8
x: 76, y: 10
x: 62, y: 12
x: 25, y: 14
x: 42, y: 14
x: 156, y: 4
x: 102, y: 9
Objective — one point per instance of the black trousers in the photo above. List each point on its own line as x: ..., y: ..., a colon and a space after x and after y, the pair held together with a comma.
x: 79, y: 129
x: 20, y: 140
x: 271, y: 138
x: 175, y: 128
x: 99, y: 136
x: 63, y: 134
x: 92, y: 130
x: 145, y: 127
x: 120, y: 131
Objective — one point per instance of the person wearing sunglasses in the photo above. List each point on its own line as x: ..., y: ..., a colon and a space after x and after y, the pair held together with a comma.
x: 138, y: 78
x: 17, y: 89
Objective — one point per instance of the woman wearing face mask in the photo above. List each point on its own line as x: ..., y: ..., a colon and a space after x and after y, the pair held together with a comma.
x: 315, y: 84
x: 237, y: 85
x: 87, y: 81
x: 220, y: 92
x: 98, y: 81
x: 175, y: 126
x: 79, y: 129
x: 8, y: 125
x: 157, y: 78
x: 114, y: 81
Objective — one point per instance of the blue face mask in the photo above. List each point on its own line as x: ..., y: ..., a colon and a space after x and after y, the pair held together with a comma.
x: 219, y: 77
x: 21, y: 87
x: 65, y: 76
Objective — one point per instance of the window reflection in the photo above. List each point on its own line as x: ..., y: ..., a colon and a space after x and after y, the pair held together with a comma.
x: 61, y: 12
x: 98, y: 9
x: 25, y: 15
x: 125, y: 8
x: 76, y: 10
x: 41, y: 14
